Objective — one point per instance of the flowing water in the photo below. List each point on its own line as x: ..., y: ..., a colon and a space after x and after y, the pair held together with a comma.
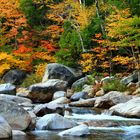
x: 102, y: 126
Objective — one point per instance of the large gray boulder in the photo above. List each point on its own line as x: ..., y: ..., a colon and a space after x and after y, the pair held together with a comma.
x: 7, y: 89
x: 14, y: 76
x: 80, y: 130
x: 16, y: 116
x: 5, y: 129
x: 128, y: 109
x: 54, y: 122
x: 58, y: 71
x: 110, y: 99
x: 43, y: 92
x: 13, y: 98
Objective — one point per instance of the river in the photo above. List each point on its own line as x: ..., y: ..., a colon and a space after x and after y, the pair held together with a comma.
x: 119, y: 128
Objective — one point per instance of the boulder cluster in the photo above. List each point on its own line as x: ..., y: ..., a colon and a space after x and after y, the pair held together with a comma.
x: 42, y: 106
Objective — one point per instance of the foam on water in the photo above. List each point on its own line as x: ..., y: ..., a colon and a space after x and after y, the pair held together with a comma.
x: 99, y: 117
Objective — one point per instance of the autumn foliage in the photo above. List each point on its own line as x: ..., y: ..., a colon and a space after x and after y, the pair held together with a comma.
x: 102, y: 38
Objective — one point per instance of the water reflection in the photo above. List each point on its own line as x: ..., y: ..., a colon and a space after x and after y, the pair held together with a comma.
x: 95, y: 135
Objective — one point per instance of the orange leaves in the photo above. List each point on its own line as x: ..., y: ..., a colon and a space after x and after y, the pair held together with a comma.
x: 98, y: 38
x: 23, y: 49
x: 98, y: 35
x: 47, y: 45
x: 43, y: 56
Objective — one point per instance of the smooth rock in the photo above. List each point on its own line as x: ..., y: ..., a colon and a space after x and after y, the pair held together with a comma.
x: 18, y: 133
x: 54, y: 122
x: 14, y: 76
x: 110, y: 99
x: 128, y: 109
x: 16, y: 116
x: 58, y: 71
x: 84, y: 103
x: 5, y: 129
x: 13, y: 98
x: 61, y: 100
x: 81, y: 130
x: 43, y: 92
x: 41, y: 110
x: 59, y: 94
x: 77, y: 95
x: 7, y: 89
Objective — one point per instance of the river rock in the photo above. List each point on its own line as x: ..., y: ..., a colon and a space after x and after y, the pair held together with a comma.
x: 7, y: 89
x: 61, y: 100
x: 80, y: 130
x: 88, y: 89
x: 43, y: 92
x: 130, y: 78
x: 80, y: 83
x: 5, y: 129
x: 43, y: 109
x: 77, y: 95
x: 13, y: 98
x: 84, y: 103
x: 59, y: 94
x: 14, y: 76
x: 55, y: 106
x: 23, y: 92
x: 110, y: 99
x: 58, y: 71
x: 107, y: 79
x: 16, y: 116
x: 54, y: 122
x: 18, y: 133
x: 128, y: 109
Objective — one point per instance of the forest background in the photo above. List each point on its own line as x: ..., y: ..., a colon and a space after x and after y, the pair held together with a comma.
x: 98, y: 36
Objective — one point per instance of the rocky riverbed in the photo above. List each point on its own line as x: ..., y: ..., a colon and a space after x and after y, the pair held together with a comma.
x: 51, y: 110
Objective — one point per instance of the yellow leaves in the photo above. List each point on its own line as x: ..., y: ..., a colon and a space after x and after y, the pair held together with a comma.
x: 87, y: 62
x: 4, y: 56
x: 40, y: 69
x: 3, y: 68
x: 8, y: 61
x: 122, y: 60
